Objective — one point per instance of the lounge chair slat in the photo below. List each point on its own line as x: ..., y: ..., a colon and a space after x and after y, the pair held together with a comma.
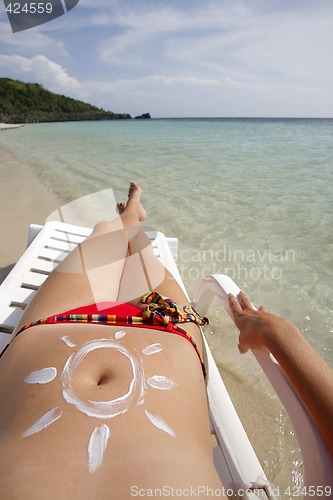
x: 78, y: 231
x: 10, y: 316
x: 43, y: 266
x: 64, y: 237
x: 52, y: 255
x: 33, y: 280
x: 60, y: 245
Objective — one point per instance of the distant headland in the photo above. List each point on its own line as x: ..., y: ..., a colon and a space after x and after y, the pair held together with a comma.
x: 30, y: 103
x: 144, y: 116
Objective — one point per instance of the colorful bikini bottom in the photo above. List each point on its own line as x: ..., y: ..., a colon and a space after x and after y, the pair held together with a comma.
x: 160, y: 313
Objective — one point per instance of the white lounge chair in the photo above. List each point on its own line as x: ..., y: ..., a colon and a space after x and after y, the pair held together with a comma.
x: 234, y: 457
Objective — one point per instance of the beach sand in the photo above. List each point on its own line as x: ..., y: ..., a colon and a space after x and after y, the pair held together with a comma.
x: 23, y: 200
x: 4, y: 126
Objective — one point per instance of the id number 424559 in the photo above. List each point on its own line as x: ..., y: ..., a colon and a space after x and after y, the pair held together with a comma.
x: 29, y: 8
x: 309, y: 491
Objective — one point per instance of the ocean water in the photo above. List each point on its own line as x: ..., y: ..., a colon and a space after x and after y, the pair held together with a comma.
x: 251, y: 198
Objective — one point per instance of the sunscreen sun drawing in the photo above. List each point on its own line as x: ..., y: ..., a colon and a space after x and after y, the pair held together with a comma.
x: 101, y: 409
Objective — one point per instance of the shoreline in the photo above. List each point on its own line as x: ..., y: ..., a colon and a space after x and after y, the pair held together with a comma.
x: 5, y: 126
x: 23, y: 200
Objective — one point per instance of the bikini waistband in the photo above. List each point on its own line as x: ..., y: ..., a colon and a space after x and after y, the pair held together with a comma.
x: 161, y: 313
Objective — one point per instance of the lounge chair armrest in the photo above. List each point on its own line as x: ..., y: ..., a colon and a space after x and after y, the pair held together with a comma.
x: 214, y: 285
x: 318, y: 464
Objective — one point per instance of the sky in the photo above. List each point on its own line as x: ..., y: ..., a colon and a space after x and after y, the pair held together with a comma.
x: 183, y: 58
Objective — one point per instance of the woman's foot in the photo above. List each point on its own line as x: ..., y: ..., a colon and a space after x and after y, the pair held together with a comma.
x: 121, y: 207
x: 133, y: 202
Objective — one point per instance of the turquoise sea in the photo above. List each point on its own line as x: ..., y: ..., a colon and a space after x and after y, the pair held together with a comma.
x: 251, y: 198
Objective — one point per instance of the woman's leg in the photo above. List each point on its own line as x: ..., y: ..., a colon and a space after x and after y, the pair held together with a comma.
x: 91, y: 273
x: 143, y: 273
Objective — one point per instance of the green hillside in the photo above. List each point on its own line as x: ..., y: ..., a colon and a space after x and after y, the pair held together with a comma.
x: 30, y: 102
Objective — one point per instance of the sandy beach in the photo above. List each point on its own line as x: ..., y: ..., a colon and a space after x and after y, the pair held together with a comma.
x: 23, y: 200
x: 4, y: 126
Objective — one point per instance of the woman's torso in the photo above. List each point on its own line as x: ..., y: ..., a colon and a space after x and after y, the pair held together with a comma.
x: 102, y: 411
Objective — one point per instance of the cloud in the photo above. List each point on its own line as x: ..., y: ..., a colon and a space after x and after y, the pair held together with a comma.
x: 181, y: 80
x: 30, y: 42
x: 171, y: 80
x: 242, y: 41
x: 145, y: 34
x: 201, y: 57
x: 42, y: 70
x: 154, y: 85
x: 166, y: 95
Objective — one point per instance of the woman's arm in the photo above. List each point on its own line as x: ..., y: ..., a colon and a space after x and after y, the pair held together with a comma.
x: 308, y: 373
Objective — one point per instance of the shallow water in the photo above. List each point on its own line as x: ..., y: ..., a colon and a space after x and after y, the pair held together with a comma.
x: 251, y: 198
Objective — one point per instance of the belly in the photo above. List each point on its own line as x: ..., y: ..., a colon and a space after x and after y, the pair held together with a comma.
x: 101, y: 408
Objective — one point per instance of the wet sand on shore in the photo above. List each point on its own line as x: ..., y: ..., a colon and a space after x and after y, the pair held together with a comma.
x: 23, y: 200
x: 4, y: 126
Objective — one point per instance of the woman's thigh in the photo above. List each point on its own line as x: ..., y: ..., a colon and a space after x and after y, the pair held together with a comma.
x: 90, y: 274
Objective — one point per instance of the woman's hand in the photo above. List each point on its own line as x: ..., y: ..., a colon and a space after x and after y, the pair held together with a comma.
x: 258, y: 328
x: 307, y: 372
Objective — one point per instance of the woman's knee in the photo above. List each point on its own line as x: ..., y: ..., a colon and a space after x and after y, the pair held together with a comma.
x: 106, y: 226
